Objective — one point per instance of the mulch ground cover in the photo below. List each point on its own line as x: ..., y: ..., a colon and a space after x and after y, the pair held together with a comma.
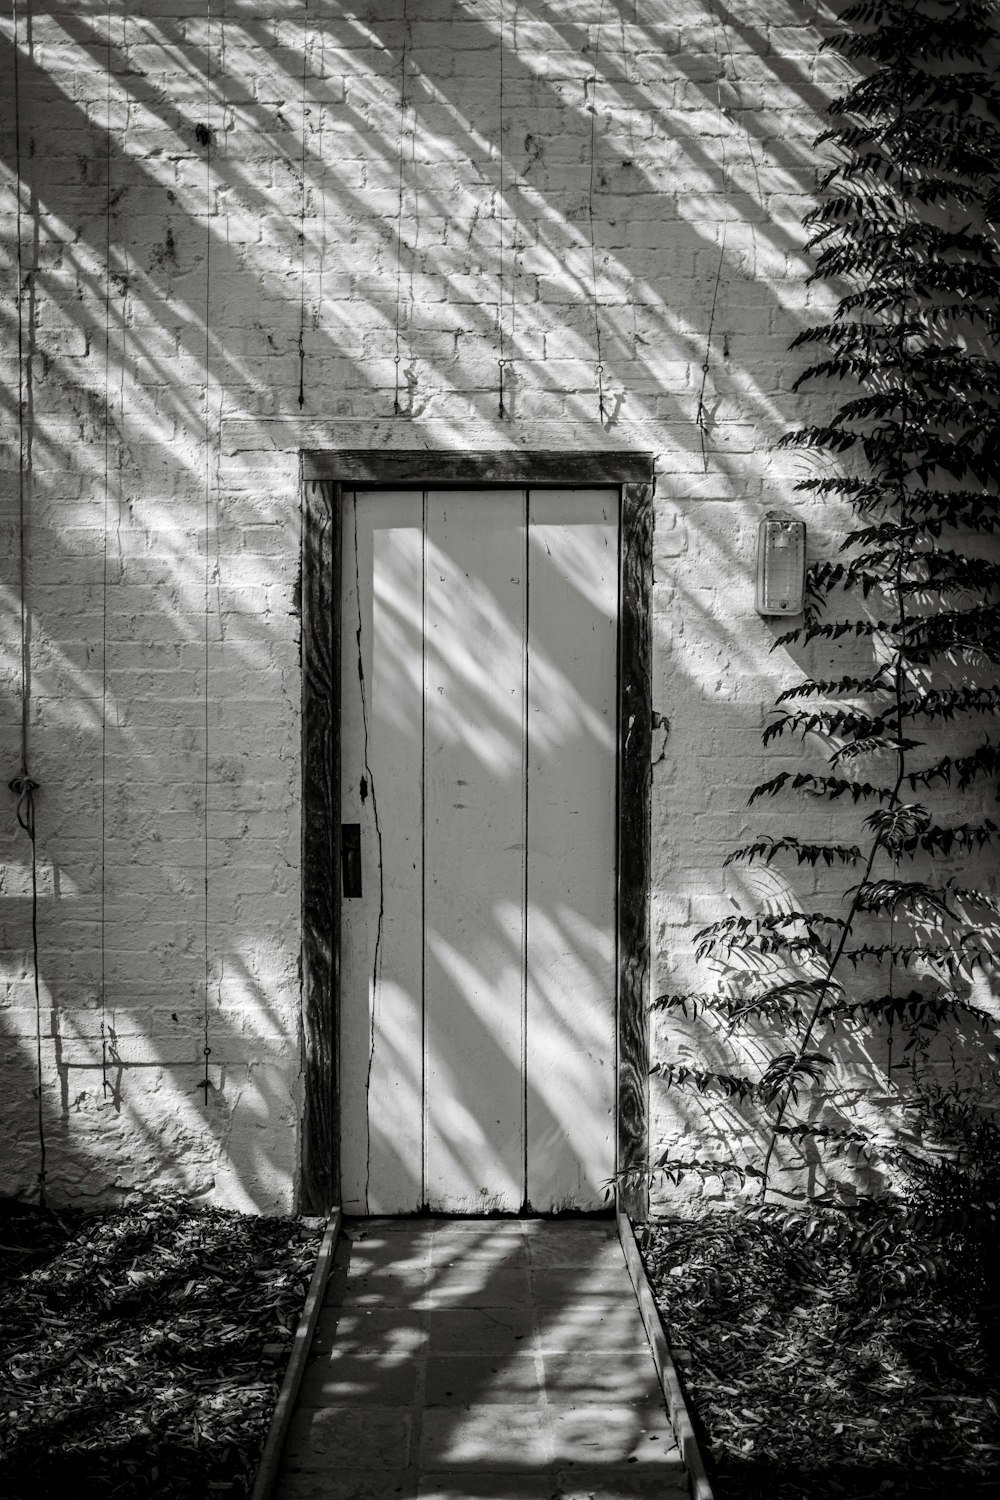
x: 142, y: 1348
x: 833, y: 1363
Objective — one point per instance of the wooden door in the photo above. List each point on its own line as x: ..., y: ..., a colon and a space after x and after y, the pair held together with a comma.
x: 478, y: 752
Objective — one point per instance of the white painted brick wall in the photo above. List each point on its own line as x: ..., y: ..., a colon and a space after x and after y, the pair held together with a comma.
x: 142, y: 420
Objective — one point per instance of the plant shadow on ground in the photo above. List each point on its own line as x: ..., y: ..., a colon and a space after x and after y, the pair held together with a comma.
x: 144, y: 1346
x: 835, y: 1357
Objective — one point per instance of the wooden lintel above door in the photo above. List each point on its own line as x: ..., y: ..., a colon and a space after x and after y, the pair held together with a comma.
x: 354, y: 467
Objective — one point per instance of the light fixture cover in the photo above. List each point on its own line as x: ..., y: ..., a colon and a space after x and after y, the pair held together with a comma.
x: 781, y: 564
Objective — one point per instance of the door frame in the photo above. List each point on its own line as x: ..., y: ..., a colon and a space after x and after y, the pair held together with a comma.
x: 325, y: 474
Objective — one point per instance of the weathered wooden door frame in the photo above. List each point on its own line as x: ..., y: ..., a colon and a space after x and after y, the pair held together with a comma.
x: 325, y: 475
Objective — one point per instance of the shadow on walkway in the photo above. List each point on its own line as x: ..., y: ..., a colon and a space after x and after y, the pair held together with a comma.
x: 480, y: 1360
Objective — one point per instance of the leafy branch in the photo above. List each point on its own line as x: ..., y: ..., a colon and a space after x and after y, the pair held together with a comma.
x: 906, y: 233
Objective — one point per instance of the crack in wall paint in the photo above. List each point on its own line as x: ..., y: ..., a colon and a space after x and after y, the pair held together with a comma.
x: 368, y: 787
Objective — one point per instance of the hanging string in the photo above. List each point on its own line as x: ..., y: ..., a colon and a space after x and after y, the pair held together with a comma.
x: 302, y: 215
x: 590, y: 210
x: 22, y: 450
x: 205, y: 137
x: 501, y: 361
x: 626, y: 53
x: 397, y: 409
x: 112, y: 1039
x: 105, y: 1085
x: 222, y: 108
x: 512, y: 283
x: 320, y: 147
x: 22, y: 785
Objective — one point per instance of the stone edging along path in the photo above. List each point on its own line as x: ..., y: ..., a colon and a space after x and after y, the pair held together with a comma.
x: 270, y: 1461
x: 676, y: 1406
x: 673, y: 1393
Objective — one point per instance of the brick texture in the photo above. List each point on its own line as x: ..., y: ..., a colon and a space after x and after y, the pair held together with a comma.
x: 205, y: 191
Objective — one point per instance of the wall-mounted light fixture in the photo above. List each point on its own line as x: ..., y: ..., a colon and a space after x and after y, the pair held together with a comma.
x: 781, y: 564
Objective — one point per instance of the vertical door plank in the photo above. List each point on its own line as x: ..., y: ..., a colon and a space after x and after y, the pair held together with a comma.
x: 381, y: 717
x: 572, y: 732
x: 474, y: 850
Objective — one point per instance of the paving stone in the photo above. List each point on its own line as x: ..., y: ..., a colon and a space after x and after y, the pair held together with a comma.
x: 476, y: 1331
x: 481, y: 1360
x: 477, y: 1234
x: 508, y: 1251
x: 574, y: 1250
x: 458, y: 1262
x: 467, y: 1379
x: 524, y: 1485
x: 338, y: 1379
x: 476, y: 1284
x: 383, y: 1287
x: 409, y: 1228
x: 363, y: 1259
x: 474, y: 1227
x: 599, y: 1323
x: 610, y: 1434
x: 624, y: 1375
x: 385, y: 1252
x: 666, y: 1482
x: 480, y: 1435
x: 349, y: 1437
x: 554, y: 1286
x: 349, y: 1484
x: 375, y: 1330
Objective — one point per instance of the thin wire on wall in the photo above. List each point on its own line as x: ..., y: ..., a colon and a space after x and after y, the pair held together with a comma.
x: 22, y: 784
x: 626, y: 52
x: 590, y: 211
x: 320, y: 174
x: 302, y: 213
x: 397, y: 409
x: 500, y: 206
x: 120, y: 465
x: 701, y: 418
x: 223, y: 114
x: 105, y: 1085
x: 22, y: 448
x: 205, y: 137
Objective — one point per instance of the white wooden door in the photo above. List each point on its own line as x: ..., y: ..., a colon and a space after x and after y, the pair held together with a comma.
x: 478, y: 750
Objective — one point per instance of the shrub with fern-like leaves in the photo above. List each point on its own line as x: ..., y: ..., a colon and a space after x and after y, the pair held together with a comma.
x: 901, y: 632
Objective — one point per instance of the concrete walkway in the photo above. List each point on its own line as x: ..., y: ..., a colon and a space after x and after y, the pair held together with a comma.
x: 465, y: 1359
